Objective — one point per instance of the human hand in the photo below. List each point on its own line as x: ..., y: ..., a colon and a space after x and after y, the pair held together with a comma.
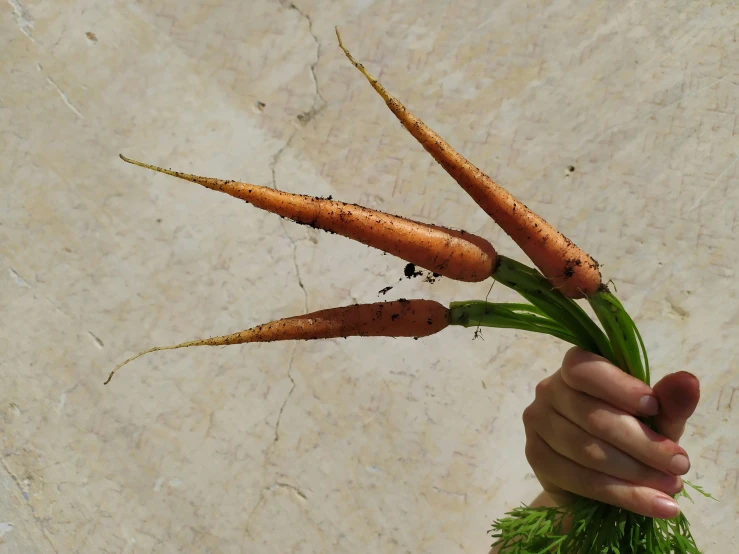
x: 583, y: 436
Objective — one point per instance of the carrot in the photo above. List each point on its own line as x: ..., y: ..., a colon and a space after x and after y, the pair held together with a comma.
x: 398, y: 318
x: 454, y: 254
x: 567, y: 268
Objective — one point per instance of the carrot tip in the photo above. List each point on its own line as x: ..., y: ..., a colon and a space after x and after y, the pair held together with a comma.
x: 381, y: 90
x: 149, y: 351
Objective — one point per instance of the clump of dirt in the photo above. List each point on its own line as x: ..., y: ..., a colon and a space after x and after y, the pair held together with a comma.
x: 432, y: 278
x: 570, y: 266
x: 410, y: 271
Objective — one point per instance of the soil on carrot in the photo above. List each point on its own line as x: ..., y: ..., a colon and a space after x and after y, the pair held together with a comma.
x: 570, y: 266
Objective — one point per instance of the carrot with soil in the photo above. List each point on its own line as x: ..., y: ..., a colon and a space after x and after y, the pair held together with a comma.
x: 569, y: 269
x: 398, y: 318
x: 454, y: 254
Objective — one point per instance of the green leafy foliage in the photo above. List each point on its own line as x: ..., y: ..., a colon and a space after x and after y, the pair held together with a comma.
x: 590, y: 527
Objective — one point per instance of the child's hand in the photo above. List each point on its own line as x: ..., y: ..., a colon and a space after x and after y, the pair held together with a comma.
x: 582, y: 436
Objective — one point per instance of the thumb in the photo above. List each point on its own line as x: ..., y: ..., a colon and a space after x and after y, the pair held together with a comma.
x: 678, y: 395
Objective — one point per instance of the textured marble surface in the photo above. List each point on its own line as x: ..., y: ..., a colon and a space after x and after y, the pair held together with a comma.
x: 353, y: 445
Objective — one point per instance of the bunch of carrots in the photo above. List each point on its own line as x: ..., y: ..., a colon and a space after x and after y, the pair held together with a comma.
x: 565, y: 274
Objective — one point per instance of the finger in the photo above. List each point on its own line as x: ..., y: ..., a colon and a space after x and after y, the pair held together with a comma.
x: 568, y: 476
x: 619, y: 429
x: 596, y: 376
x: 570, y: 441
x: 678, y: 395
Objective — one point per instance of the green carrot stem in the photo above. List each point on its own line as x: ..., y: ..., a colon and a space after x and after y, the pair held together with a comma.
x: 535, y: 288
x: 628, y: 345
x: 525, y: 317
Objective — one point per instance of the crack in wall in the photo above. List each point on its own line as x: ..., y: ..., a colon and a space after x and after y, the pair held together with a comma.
x: 262, y: 497
x: 318, y: 103
x: 42, y: 522
x: 305, y: 303
x: 251, y: 514
x: 18, y: 278
x: 305, y: 117
x: 271, y: 449
x: 23, y: 19
x: 290, y: 487
x: 276, y: 438
x: 61, y: 93
x: 293, y: 242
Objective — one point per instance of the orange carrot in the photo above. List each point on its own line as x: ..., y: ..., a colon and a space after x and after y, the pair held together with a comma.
x: 399, y: 318
x: 567, y: 267
x: 455, y: 254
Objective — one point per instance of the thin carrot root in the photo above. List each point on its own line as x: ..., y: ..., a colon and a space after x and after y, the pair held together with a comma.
x: 398, y: 318
x: 454, y: 254
x: 566, y: 266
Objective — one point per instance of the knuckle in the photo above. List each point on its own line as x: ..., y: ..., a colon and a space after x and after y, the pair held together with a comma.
x: 572, y: 358
x: 570, y: 355
x: 573, y: 374
x: 662, y: 453
x: 632, y: 498
x: 542, y: 388
x: 529, y: 416
x: 662, y: 449
x: 596, y: 423
x: 577, y: 356
x: 595, y: 452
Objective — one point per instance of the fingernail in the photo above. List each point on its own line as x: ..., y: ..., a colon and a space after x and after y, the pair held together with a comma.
x: 665, y: 507
x: 648, y: 405
x: 679, y: 465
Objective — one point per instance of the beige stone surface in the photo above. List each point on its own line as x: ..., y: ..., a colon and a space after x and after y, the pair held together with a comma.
x: 352, y: 445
